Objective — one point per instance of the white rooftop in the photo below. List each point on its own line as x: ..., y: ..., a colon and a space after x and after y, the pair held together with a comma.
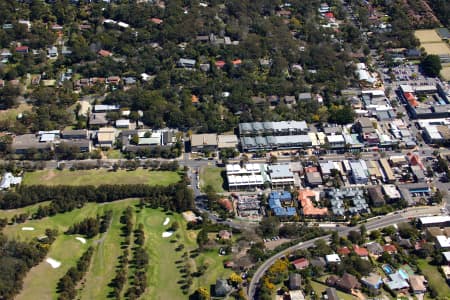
x: 434, y: 219
x: 332, y: 258
x: 443, y: 241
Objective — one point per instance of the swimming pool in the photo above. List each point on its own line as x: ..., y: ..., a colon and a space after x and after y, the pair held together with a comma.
x: 403, y: 274
x: 387, y: 269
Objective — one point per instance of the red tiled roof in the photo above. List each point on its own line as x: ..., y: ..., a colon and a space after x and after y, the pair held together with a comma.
x: 220, y: 64
x: 304, y: 197
x: 22, y: 48
x: 343, y: 251
x: 300, y: 263
x: 360, y: 251
x: 156, y: 20
x: 329, y: 15
x: 389, y: 248
x: 237, y: 62
x: 104, y: 53
x: 226, y: 204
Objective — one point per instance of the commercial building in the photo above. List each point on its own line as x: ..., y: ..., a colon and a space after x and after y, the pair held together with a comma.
x: 281, y: 175
x: 225, y: 141
x: 275, y: 203
x: 268, y: 143
x: 439, y: 221
x: 273, y: 128
x: 204, y: 142
x: 307, y: 198
x: 358, y: 172
x: 106, y: 137
x: 247, y: 177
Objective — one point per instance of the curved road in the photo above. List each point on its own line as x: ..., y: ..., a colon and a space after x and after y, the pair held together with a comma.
x: 375, y: 223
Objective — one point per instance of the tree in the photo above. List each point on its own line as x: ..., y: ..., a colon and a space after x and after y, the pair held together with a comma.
x: 431, y: 65
x: 235, y: 279
x: 202, y: 294
x: 269, y: 226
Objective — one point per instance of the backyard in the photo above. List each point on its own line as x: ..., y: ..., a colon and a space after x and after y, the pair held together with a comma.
x: 101, y: 176
x: 434, y: 277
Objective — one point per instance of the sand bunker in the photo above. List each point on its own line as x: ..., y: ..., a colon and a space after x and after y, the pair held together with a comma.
x: 166, y: 221
x: 54, y: 263
x: 27, y: 228
x: 82, y: 240
x: 167, y: 234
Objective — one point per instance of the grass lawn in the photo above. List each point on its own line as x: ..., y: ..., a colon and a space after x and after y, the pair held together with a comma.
x: 212, y: 176
x: 113, y: 154
x: 11, y: 114
x: 163, y: 274
x: 101, y: 176
x: 434, y: 277
x: 319, y: 288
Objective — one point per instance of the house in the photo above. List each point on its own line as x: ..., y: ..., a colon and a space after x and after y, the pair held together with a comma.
x: 296, y: 295
x: 360, y: 251
x: 417, y: 284
x: 343, y: 251
x: 97, y: 120
x: 74, y: 134
x: 389, y: 248
x: 304, y: 97
x: 331, y: 294
x: 443, y: 242
x: 224, y: 235
x: 23, y: 143
x: 301, y: 263
x: 52, y: 52
x: 82, y: 145
x: 106, y: 137
x: 289, y: 100
x: 332, y: 259
x: 104, y: 53
x: 222, y: 288
x: 318, y: 262
x: 186, y: 63
x: 8, y: 180
x: 446, y: 255
x: 346, y: 283
x: 295, y: 281
x: 373, y: 281
x: 204, y: 142
x: 396, y: 281
x: 123, y: 123
x: 156, y: 21
x: 375, y: 248
x: 22, y: 49
x: 114, y: 80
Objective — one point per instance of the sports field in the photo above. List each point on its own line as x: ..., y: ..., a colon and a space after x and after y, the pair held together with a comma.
x: 101, y: 176
x: 164, y: 276
x: 436, y: 48
x: 427, y: 36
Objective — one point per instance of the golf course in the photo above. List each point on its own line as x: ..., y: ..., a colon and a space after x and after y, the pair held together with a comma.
x: 164, y: 276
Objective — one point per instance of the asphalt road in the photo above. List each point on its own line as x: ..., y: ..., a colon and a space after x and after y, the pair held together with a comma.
x: 375, y: 223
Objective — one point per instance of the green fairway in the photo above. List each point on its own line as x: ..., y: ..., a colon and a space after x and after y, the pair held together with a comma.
x: 163, y: 274
x: 434, y: 277
x: 101, y: 176
x: 212, y: 176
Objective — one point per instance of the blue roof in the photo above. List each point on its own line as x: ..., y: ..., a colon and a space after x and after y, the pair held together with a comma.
x: 282, y: 211
x: 273, y: 203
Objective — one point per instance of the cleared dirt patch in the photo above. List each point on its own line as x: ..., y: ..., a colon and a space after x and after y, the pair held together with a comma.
x: 445, y: 72
x: 427, y: 36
